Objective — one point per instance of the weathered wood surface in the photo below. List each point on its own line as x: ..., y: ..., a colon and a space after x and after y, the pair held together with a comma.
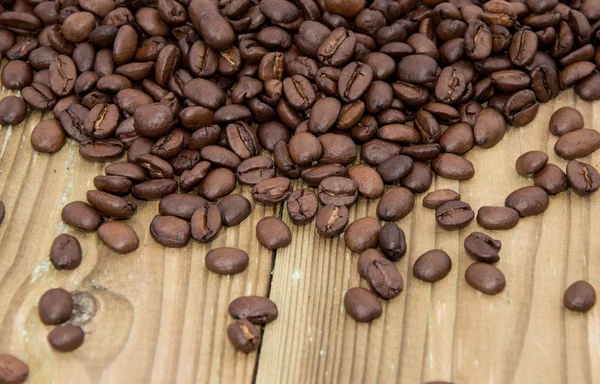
x: 162, y: 316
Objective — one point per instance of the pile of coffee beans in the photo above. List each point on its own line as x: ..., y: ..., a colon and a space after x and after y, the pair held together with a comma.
x: 357, y: 99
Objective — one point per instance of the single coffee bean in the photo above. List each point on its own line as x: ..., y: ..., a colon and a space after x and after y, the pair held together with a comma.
x: 273, y: 233
x: 102, y: 150
x: 170, y: 231
x: 384, y: 278
x: 204, y: 93
x: 545, y: 83
x: 302, y: 205
x: 565, y: 120
x: 66, y: 338
x: 451, y: 166
x: 575, y: 72
x: 457, y: 139
x: 366, y: 258
x: 521, y: 108
x: 13, y: 110
x: 65, y: 252
x: 206, y: 223
x: 392, y: 241
x: 435, y: 199
x: 242, y: 141
x: 497, y: 218
x: 583, y: 178
x: 304, y: 148
x: 580, y: 296
x: 528, y: 201
x: 102, y: 121
x: 48, y: 137
x: 116, y: 185
x: 55, y: 306
x: 362, y: 305
x: 485, y: 278
x: 418, y: 69
x: 256, y: 309
x: 39, y: 96
x: 272, y: 191
x: 552, y: 179
x: 255, y: 170
x: 234, y: 209
x: 375, y: 151
x: 395, y: 204
x: 368, y: 181
x: 63, y: 74
x: 331, y: 220
x: 531, y: 162
x: 354, y: 81
x: 432, y: 266
x: 419, y: 179
x: 313, y: 176
x: 362, y: 234
x: 489, y: 128
x: 451, y: 85
x: 337, y: 149
x: 479, y: 41
x: 577, y: 144
x: 244, y: 336
x: 337, y: 48
x: 482, y: 248
x: 218, y: 183
x: 338, y: 191
x: 17, y: 74
x: 12, y: 370
x: 118, y: 236
x: 132, y: 171
x: 523, y: 47
x: 226, y: 261
x: 395, y: 168
x: 111, y: 205
x: 454, y: 215
x: 589, y: 88
x: 82, y: 216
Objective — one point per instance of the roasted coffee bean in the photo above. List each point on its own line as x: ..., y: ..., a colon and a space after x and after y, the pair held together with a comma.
x: 304, y: 148
x: 271, y: 132
x: 510, y: 80
x: 485, y: 278
x: 577, y: 144
x: 63, y: 74
x: 489, y: 128
x: 132, y: 171
x: 156, y: 167
x: 399, y: 133
x: 528, y: 201
x: 583, y: 178
x: 170, y: 231
x: 102, y: 150
x: 523, y: 47
x: 428, y: 127
x: 451, y: 166
x: 204, y: 93
x: 17, y: 74
x: 273, y: 233
x: 451, y: 85
x: 255, y: 169
x: 478, y: 41
x: 324, y: 114
x: 244, y: 336
x: 65, y: 252
x: 368, y: 181
x: 337, y: 149
x: 82, y: 216
x: 354, y: 81
x: 116, y: 185
x: 531, y: 162
x: 435, y: 199
x: 272, y: 191
x: 362, y: 234
x: 39, y: 96
x: 154, y: 189
x: 226, y: 261
x: 419, y: 178
x: 102, y: 121
x: 337, y: 48
x: 432, y: 266
x: 580, y: 296
x: 497, y: 218
x: 589, y: 88
x: 575, y: 72
x: 375, y: 151
x: 110, y: 205
x: 153, y: 120
x: 392, y: 241
x: 206, y: 223
x: 13, y: 110
x: 565, y: 120
x: 384, y: 278
x: 48, y: 137
x: 418, y: 69
x: 256, y: 309
x: 338, y: 191
x: 395, y: 168
x: 521, y: 108
x: 331, y: 220
x: 180, y: 205
x: 234, y: 209
x: 12, y: 370
x: 552, y: 179
x: 242, y: 141
x: 299, y: 92
x: 66, y: 338
x: 366, y: 258
x: 454, y: 215
x: 313, y: 176
x: 217, y: 183
x: 545, y: 83
x: 362, y: 305
x: 55, y: 306
x: 482, y: 248
x: 302, y: 205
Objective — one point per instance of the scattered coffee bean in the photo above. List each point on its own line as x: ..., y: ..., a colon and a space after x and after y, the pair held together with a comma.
x: 256, y: 309
x: 451, y: 166
x: 55, y: 306
x: 226, y: 261
x: 565, y: 120
x: 272, y: 191
x: 82, y: 216
x: 13, y: 110
x: 362, y: 234
x: 577, y: 144
x: 65, y: 252
x: 583, y: 178
x: 234, y: 209
x: 170, y: 231
x: 552, y: 179
x: 244, y: 336
x: 12, y: 370
x: 432, y: 266
x: 66, y: 338
x: 48, y: 137
x: 392, y: 241
x: 485, y: 278
x: 482, y: 248
x: 497, y: 218
x: 331, y: 220
x: 362, y: 305
x: 302, y: 205
x: 435, y: 199
x: 454, y: 215
x: 528, y: 201
x: 366, y: 258
x: 384, y: 278
x: 395, y: 204
x: 118, y: 236
x: 337, y: 191
x: 273, y: 233
x: 206, y: 223
x: 580, y: 296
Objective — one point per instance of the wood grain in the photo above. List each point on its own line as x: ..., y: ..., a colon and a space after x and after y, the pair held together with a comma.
x: 161, y: 316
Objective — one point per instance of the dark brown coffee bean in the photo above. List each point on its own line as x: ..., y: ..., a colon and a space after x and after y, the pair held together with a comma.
x: 362, y: 305
x: 485, y: 278
x: 418, y: 69
x: 521, y: 108
x: 368, y: 181
x: 39, y: 96
x: 299, y: 92
x: 65, y: 252
x: 302, y: 205
x: 497, y: 218
x: 552, y: 179
x: 132, y: 171
x: 110, y: 205
x: 205, y: 93
x: 48, y: 137
x: 337, y: 149
x: 217, y: 183
x: 154, y: 120
x: 528, y: 201
x: 577, y: 144
x: 545, y: 83
x: 55, y: 306
x: 271, y: 132
x: 575, y: 72
x: 17, y: 74
x: 419, y: 179
x: 13, y: 111
x: 337, y: 191
x: 331, y: 220
x: 435, y: 199
x: 102, y: 150
x: 451, y: 85
x: 583, y: 178
x: 354, y: 81
x: 242, y: 141
x: 313, y: 176
x: 482, y: 248
x: 565, y: 120
x: 395, y: 168
x: 170, y: 231
x: 375, y: 151
x: 244, y: 336
x: 156, y: 167
x: 589, y: 88
x: 428, y: 127
x: 489, y: 128
x: 324, y: 114
x: 206, y: 223
x: 531, y: 162
x: 66, y: 338
x: 180, y: 205
x: 580, y: 296
x: 523, y: 47
x: 256, y: 309
x: 454, y: 215
x: 116, y: 185
x: 432, y: 266
x: 82, y: 216
x: 384, y: 278
x: 273, y: 233
x: 12, y: 370
x: 234, y: 209
x: 478, y: 41
x: 255, y: 169
x: 226, y: 261
x: 272, y: 191
x: 366, y: 258
x: 130, y: 99
x: 102, y: 121
x: 451, y: 166
x: 154, y: 189
x: 510, y: 80
x: 399, y: 133
x: 337, y: 49
x: 362, y: 234
x: 20, y: 22
x: 392, y: 241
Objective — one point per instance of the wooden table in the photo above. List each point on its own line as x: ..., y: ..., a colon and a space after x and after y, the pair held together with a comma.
x: 162, y: 317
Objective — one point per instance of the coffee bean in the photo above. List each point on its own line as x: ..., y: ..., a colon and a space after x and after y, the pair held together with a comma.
x: 589, y: 88
x: 242, y: 141
x: 337, y: 48
x: 55, y: 306
x: 432, y: 266
x: 110, y: 205
x: 577, y: 144
x: 13, y: 110
x: 256, y: 309
x: 273, y: 233
x: 66, y: 338
x: 102, y: 150
x: 48, y: 137
x: 17, y: 74
x: 354, y: 81
x: 362, y: 305
x: 154, y: 189
x: 170, y: 231
x: 419, y: 178
x: 489, y: 128
x: 395, y: 204
x: 583, y: 178
x: 523, y: 47
x: 454, y: 215
x: 418, y: 69
x: 497, y: 218
x: 395, y: 168
x: 82, y: 216
x: 575, y: 72
x: 435, y: 199
x: 482, y: 248
x: 226, y: 261
x: 362, y: 234
x: 65, y: 252
x: 217, y: 183
x: 206, y: 223
x: 531, y: 162
x: 244, y: 336
x: 368, y: 181
x: 457, y: 139
x: 545, y: 83
x: 331, y: 220
x: 304, y: 148
x: 580, y: 296
x: 366, y: 258
x: 392, y: 241
x: 451, y: 166
x: 118, y: 236
x: 565, y: 120
x: 39, y: 96
x: 384, y: 278
x: 521, y: 108
x: 12, y: 370
x: 375, y: 152
x: 485, y: 278
x: 302, y: 205
x: 528, y: 201
x: 451, y: 85
x: 272, y: 191
x: 552, y: 179
x: 337, y: 191
x: 180, y: 205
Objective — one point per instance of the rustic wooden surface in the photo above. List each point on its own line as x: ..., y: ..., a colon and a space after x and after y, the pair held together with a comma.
x: 162, y: 316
